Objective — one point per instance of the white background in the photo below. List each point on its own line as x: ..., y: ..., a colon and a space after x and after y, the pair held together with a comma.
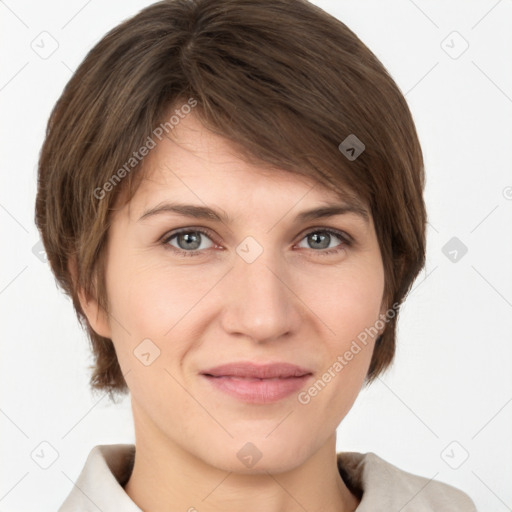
x: 449, y: 393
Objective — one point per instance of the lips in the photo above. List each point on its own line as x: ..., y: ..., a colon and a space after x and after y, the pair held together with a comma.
x: 253, y: 371
x: 257, y: 384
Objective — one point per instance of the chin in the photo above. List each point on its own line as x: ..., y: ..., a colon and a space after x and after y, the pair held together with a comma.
x: 258, y: 455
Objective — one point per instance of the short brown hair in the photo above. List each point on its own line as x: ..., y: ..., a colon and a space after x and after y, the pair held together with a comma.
x: 284, y: 81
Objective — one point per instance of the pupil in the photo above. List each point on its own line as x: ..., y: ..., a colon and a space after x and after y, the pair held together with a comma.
x: 321, y: 241
x: 193, y: 238
x: 324, y: 240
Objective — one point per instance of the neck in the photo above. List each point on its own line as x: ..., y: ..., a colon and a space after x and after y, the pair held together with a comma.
x: 165, y: 476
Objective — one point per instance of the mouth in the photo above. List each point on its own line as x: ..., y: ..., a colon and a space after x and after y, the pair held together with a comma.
x: 252, y: 383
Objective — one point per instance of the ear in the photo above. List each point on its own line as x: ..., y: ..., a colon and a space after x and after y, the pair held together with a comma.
x: 96, y: 315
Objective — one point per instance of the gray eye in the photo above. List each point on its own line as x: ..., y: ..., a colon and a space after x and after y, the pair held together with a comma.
x: 190, y: 240
x: 320, y: 240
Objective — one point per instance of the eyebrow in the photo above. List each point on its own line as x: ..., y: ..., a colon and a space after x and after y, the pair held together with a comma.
x: 204, y: 212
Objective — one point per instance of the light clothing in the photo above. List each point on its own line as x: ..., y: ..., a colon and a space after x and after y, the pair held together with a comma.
x: 381, y: 486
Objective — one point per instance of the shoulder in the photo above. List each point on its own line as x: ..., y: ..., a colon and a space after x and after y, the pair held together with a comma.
x: 99, y: 486
x: 383, y: 486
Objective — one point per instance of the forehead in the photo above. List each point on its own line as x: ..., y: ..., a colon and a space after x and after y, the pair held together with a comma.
x: 199, y: 166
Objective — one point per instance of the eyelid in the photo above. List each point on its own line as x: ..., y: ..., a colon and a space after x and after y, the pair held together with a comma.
x: 338, y: 232
x: 347, y: 239
x: 188, y: 229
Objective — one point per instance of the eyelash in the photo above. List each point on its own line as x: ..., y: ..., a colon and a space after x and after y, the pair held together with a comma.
x: 344, y: 237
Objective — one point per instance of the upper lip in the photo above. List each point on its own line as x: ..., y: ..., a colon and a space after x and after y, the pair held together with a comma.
x: 261, y: 371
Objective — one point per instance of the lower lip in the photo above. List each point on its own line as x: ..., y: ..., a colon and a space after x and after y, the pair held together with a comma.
x: 258, y: 391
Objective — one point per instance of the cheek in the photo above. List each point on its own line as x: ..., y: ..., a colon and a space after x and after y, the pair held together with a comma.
x: 350, y: 308
x: 347, y: 301
x: 151, y: 297
x: 152, y: 301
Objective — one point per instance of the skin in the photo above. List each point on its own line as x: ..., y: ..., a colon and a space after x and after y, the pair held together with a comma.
x: 291, y: 304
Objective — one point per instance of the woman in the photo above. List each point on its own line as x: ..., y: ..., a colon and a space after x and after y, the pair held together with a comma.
x: 231, y: 194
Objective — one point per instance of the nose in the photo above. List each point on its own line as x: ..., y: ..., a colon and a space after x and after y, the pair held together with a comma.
x: 259, y: 302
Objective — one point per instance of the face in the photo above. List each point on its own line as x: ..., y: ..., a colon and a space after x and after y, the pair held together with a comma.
x: 258, y: 282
